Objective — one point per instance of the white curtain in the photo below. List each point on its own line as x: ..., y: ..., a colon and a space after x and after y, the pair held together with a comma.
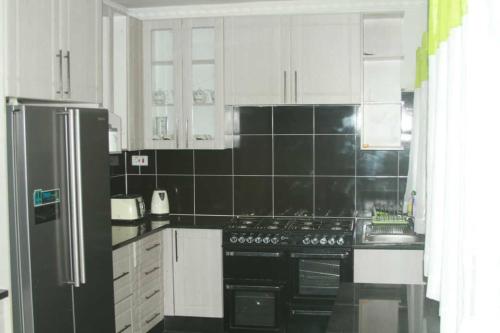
x: 462, y: 251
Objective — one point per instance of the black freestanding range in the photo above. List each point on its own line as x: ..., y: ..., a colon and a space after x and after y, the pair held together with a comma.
x: 274, y: 268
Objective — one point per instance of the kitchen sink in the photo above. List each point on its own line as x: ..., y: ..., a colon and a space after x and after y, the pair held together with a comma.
x: 389, y: 234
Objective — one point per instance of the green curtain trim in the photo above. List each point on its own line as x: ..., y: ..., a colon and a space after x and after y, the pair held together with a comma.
x: 444, y: 15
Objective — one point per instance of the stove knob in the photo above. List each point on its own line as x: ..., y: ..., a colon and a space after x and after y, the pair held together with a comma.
x: 306, y: 241
x: 275, y: 240
x: 323, y: 241
x: 241, y: 240
x: 266, y: 240
x: 249, y: 239
x: 315, y: 241
x: 331, y: 241
x: 340, y: 241
x: 258, y: 240
x: 233, y: 239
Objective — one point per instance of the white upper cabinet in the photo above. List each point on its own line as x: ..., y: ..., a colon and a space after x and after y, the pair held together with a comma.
x: 54, y: 50
x: 301, y: 59
x: 325, y: 59
x: 183, y: 84
x: 257, y: 61
x: 83, y: 34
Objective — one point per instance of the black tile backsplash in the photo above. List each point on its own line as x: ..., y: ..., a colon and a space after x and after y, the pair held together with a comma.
x: 253, y: 154
x: 180, y: 190
x: 285, y: 161
x: 293, y: 155
x: 293, y: 119
x: 335, y: 155
x: 334, y: 119
x: 175, y: 162
x: 253, y: 120
x: 293, y: 196
x: 253, y: 195
x: 335, y: 196
x: 214, y: 195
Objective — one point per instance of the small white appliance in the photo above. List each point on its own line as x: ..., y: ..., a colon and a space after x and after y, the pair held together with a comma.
x: 127, y: 207
x: 159, y: 203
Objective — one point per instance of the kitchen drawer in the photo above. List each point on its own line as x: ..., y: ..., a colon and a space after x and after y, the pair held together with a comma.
x: 122, y: 253
x: 149, y: 273
x: 121, y: 266
x: 150, y: 312
x: 123, y: 286
x: 124, y: 316
x: 146, y: 292
x: 150, y: 246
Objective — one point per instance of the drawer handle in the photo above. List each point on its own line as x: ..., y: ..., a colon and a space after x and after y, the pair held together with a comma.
x: 125, y: 328
x: 152, y: 247
x: 152, y: 318
x: 154, y: 293
x: 151, y: 271
x: 119, y: 277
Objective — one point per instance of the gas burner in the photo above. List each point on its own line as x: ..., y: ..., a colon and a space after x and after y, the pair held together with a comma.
x: 272, y: 227
x: 247, y: 222
x: 308, y: 223
x: 306, y: 227
x: 336, y: 228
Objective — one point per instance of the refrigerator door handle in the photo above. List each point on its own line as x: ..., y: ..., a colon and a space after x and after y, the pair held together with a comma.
x: 73, y: 199
x: 78, y: 165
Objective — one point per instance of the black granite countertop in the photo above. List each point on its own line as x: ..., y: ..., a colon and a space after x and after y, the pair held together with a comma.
x: 126, y: 232
x: 358, y: 235
x: 3, y: 293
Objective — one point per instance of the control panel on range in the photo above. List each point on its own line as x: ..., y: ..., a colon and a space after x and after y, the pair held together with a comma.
x: 285, y: 239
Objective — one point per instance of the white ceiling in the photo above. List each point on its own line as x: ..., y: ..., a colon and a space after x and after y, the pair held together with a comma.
x: 163, y: 3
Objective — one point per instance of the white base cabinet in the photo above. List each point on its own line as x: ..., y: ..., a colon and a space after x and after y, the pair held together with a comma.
x: 193, y: 273
x: 138, y: 285
x: 388, y: 266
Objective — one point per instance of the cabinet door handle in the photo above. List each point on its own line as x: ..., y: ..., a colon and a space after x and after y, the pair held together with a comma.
x: 68, y: 63
x: 151, y: 271
x: 154, y: 293
x: 152, y: 247
x: 125, y: 328
x: 176, y: 253
x: 121, y: 276
x: 60, y: 57
x: 284, y: 86
x: 295, y: 87
x: 152, y: 318
x: 187, y: 133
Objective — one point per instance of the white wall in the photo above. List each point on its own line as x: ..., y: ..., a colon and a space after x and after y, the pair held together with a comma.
x: 5, y: 306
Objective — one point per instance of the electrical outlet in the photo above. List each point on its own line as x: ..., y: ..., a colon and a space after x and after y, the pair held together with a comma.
x: 139, y: 160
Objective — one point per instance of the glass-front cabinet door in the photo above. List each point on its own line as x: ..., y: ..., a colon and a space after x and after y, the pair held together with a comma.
x: 203, y: 82
x: 162, y: 84
x: 183, y: 94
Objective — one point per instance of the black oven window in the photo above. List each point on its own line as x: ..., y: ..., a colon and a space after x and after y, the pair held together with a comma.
x: 319, y: 277
x: 257, y: 309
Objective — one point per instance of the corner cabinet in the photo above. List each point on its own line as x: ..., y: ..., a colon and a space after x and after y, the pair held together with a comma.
x: 66, y: 38
x: 193, y: 273
x: 303, y: 59
x: 183, y: 84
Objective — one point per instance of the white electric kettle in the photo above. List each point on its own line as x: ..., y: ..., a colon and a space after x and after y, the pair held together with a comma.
x: 159, y: 203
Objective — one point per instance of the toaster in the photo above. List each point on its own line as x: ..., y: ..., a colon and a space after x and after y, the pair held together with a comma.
x: 127, y: 207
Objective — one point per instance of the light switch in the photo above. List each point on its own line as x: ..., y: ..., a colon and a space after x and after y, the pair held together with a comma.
x: 139, y: 160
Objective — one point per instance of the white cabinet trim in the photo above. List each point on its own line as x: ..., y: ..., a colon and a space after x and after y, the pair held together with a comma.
x: 272, y: 8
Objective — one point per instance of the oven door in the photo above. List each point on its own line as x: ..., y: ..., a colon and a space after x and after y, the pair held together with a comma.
x: 255, y: 263
x: 254, y: 306
x: 316, y: 277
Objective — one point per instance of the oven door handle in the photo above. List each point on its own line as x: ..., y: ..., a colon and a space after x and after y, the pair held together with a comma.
x: 253, y: 288
x: 319, y: 255
x: 254, y: 254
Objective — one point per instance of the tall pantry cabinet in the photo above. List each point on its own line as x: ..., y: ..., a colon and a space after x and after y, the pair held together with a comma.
x: 54, y: 50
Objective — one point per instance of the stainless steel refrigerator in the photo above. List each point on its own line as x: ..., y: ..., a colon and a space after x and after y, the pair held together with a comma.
x: 61, y: 252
